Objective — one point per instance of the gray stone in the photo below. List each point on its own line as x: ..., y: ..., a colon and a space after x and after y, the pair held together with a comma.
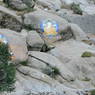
x: 54, y: 62
x: 35, y: 18
x: 86, y: 22
x: 35, y: 63
x: 82, y: 68
x: 20, y: 4
x: 34, y: 40
x: 17, y: 43
x: 9, y: 19
x: 54, y: 5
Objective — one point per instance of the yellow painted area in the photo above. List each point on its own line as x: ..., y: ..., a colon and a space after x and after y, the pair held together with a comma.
x: 50, y: 30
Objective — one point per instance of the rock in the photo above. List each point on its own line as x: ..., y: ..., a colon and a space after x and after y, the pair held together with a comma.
x: 83, y: 22
x: 35, y: 18
x: 20, y: 5
x: 24, y: 33
x: 34, y: 63
x: 73, y: 31
x: 10, y: 12
x: 78, y: 33
x: 82, y: 68
x: 54, y: 62
x: 87, y: 6
x: 34, y: 73
x: 17, y: 44
x: 38, y: 87
x: 34, y: 40
x: 10, y: 20
x: 50, y: 4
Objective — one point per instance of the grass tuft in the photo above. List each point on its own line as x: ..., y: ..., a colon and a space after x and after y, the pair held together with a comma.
x: 87, y: 54
x: 76, y: 9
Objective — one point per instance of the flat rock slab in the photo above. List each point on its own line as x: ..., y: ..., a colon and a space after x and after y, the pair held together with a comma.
x: 87, y: 23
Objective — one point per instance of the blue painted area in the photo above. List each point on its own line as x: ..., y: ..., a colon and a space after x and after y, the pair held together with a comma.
x: 45, y: 23
x: 3, y: 39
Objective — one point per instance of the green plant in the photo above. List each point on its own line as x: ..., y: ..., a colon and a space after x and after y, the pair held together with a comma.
x: 87, y: 54
x: 86, y: 79
x: 24, y: 63
x: 7, y: 70
x: 92, y: 92
x: 76, y: 8
x: 51, y: 71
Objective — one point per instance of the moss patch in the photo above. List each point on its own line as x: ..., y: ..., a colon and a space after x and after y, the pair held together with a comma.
x: 24, y: 63
x: 51, y: 71
x: 92, y: 92
x: 76, y: 8
x: 87, y: 54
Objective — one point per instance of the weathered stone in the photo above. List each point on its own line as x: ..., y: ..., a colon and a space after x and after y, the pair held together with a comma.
x: 36, y: 18
x: 82, y: 68
x: 20, y: 4
x: 34, y: 40
x: 54, y: 5
x: 10, y: 20
x: 54, y: 62
x: 17, y: 44
x: 86, y: 23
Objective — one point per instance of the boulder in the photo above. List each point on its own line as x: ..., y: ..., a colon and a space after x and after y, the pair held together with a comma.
x: 86, y: 22
x: 82, y: 68
x: 87, y: 6
x: 35, y: 63
x: 34, y: 40
x: 20, y: 4
x: 54, y: 62
x: 9, y: 19
x: 37, y: 17
x: 30, y: 85
x: 54, y: 5
x: 17, y: 44
x: 78, y: 33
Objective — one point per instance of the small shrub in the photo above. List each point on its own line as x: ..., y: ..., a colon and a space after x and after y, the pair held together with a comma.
x: 86, y: 79
x: 24, y: 63
x: 92, y: 92
x: 76, y: 9
x: 51, y: 71
x: 7, y: 70
x: 87, y: 54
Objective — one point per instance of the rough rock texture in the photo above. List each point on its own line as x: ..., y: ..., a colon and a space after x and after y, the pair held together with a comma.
x: 87, y: 6
x: 52, y: 61
x: 20, y: 4
x: 34, y: 40
x: 76, y: 74
x: 70, y: 53
x: 9, y: 19
x: 37, y: 17
x: 83, y: 22
x: 54, y: 5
